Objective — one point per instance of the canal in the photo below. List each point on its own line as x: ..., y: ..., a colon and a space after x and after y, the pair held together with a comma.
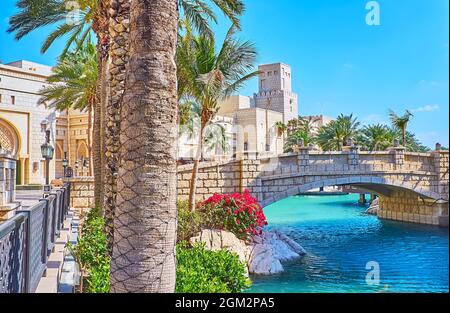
x: 341, y: 241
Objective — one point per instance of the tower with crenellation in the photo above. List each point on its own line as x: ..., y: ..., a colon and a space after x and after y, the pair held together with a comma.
x: 275, y: 91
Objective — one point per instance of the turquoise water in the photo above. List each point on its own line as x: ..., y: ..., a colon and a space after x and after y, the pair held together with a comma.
x: 341, y: 240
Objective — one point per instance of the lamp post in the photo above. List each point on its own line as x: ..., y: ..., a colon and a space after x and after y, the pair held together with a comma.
x: 47, y: 153
x: 65, y: 163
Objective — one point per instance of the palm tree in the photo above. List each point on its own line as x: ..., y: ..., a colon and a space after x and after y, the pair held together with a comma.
x: 145, y: 218
x: 412, y: 143
x: 308, y: 124
x: 197, y: 15
x: 375, y: 137
x: 337, y: 133
x: 73, y: 86
x: 401, y: 123
x: 211, y: 76
x: 281, y: 128
x: 295, y: 137
x: 73, y: 25
x: 215, y: 134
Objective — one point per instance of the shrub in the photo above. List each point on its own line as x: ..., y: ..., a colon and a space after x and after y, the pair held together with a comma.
x: 91, y: 253
x: 189, y: 223
x: 238, y: 213
x: 203, y: 271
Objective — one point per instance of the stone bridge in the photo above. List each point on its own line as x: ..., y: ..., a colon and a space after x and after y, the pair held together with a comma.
x: 412, y: 187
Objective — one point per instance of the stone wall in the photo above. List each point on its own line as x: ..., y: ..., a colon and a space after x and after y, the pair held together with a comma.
x: 409, y: 207
x: 81, y: 192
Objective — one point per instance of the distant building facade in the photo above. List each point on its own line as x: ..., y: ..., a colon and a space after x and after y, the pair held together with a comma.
x: 249, y: 123
x: 253, y: 120
x: 23, y: 123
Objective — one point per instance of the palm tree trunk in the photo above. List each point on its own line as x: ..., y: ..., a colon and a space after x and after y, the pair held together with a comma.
x: 68, y: 136
x: 145, y: 218
x: 99, y: 121
x: 118, y: 60
x: 100, y: 27
x: 404, y: 137
x: 89, y: 136
x: 193, y: 183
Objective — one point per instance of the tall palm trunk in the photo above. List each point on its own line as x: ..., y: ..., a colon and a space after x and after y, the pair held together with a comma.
x: 68, y: 136
x: 145, y: 218
x: 89, y: 135
x: 193, y: 183
x: 404, y: 136
x: 118, y: 59
x: 99, y: 117
x: 100, y: 26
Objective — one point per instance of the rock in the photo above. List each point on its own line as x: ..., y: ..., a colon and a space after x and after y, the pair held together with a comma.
x: 263, y: 256
x: 374, y: 208
x: 263, y: 262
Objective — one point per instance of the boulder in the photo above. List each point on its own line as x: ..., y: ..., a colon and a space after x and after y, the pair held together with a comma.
x: 263, y: 255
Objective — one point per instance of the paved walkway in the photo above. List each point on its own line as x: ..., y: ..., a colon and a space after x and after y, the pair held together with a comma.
x: 62, y: 273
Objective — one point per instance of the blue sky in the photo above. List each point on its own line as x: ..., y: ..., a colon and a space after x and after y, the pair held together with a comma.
x: 339, y: 63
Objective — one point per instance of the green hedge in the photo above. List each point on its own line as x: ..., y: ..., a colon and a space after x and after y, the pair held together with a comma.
x: 91, y: 253
x: 203, y: 271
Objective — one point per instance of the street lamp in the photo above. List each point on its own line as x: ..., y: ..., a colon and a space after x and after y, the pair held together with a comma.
x: 65, y: 163
x: 47, y: 153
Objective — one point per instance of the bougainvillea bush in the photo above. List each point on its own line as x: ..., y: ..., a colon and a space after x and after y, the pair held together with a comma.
x: 238, y: 213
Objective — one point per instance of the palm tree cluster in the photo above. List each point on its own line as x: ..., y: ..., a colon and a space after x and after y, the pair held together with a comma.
x: 131, y: 100
x: 336, y: 134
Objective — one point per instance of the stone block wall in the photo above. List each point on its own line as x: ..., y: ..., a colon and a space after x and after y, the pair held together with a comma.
x: 81, y: 192
x: 409, y: 207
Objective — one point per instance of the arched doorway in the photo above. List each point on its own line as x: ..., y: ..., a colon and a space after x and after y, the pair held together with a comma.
x: 10, y: 143
x: 9, y: 140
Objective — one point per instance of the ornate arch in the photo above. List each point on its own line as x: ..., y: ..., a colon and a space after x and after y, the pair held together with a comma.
x: 9, y: 140
x: 82, y: 150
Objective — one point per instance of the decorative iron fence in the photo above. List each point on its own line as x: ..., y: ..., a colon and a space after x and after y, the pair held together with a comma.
x: 27, y: 239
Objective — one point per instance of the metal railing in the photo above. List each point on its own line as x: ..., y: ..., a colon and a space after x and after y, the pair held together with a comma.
x: 28, y: 238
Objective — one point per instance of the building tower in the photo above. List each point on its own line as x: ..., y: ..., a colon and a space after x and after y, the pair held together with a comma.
x: 275, y: 91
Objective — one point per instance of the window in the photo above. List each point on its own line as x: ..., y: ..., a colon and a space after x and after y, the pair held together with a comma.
x: 282, y: 84
x: 263, y: 81
x: 13, y: 100
x: 269, y: 73
x: 0, y: 98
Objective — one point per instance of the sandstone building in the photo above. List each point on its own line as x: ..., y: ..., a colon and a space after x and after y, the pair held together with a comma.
x: 23, y: 122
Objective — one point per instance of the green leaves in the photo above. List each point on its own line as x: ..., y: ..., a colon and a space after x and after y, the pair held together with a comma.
x: 91, y: 253
x: 74, y: 80
x: 336, y: 134
x: 203, y: 271
x: 36, y: 14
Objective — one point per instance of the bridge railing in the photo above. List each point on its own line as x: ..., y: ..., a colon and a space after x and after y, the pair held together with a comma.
x: 27, y: 239
x: 326, y: 161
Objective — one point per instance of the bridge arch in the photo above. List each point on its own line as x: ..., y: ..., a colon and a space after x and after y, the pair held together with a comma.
x: 365, y: 182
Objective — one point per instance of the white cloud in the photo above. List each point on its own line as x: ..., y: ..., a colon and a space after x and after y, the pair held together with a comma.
x: 427, y: 108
